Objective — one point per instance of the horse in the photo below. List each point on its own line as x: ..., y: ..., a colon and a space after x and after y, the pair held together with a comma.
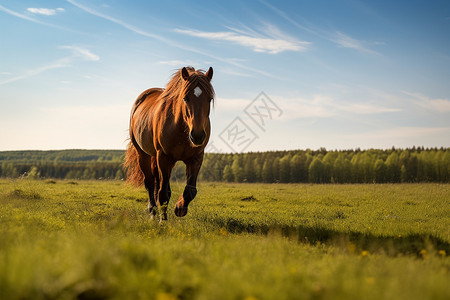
x: 166, y: 126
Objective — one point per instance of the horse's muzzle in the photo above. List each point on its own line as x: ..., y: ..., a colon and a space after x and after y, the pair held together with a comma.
x: 197, y: 139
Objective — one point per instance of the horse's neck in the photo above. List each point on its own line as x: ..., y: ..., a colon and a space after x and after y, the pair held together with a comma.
x: 176, y: 109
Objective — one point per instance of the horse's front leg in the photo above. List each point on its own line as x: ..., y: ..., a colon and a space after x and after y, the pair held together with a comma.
x: 165, y: 165
x: 190, y: 191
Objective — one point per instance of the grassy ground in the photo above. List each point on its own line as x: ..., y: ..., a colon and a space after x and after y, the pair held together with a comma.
x: 93, y: 240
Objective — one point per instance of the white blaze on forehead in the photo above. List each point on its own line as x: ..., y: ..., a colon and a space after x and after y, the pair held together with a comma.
x: 198, y: 91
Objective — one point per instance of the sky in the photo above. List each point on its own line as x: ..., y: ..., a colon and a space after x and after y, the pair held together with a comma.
x: 287, y: 74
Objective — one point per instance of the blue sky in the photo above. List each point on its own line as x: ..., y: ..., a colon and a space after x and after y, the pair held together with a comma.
x: 343, y: 74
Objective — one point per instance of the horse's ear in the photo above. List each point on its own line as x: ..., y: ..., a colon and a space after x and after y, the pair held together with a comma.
x: 184, y: 73
x: 209, y: 74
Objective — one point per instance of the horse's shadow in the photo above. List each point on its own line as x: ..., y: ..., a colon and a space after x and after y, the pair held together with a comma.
x: 411, y: 244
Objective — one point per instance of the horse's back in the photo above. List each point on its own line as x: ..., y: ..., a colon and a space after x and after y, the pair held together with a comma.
x: 152, y: 93
x: 141, y: 119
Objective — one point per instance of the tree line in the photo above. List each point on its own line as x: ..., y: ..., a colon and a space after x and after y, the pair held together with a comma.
x: 306, y: 166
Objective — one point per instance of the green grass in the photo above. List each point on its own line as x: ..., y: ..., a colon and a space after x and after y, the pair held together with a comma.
x: 93, y: 240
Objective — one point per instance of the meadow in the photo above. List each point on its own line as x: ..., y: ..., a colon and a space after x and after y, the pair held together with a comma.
x: 63, y: 239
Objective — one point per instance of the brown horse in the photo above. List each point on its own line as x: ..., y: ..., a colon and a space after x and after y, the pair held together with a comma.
x: 168, y: 125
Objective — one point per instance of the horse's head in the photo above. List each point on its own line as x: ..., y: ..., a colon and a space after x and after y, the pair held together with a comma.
x: 197, y: 97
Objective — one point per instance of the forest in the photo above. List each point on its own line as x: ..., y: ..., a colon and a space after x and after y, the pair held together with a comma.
x: 415, y: 164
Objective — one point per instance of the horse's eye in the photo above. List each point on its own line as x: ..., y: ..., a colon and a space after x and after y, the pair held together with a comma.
x: 185, y: 100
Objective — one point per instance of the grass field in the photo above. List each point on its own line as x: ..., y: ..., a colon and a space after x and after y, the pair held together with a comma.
x: 93, y: 240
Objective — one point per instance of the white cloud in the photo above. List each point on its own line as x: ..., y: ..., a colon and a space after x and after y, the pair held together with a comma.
x: 315, y: 106
x: 28, y: 18
x: 323, y: 106
x: 177, y: 63
x: 405, y: 136
x: 87, y: 127
x: 438, y: 105
x: 166, y: 40
x: 257, y: 43
x: 45, y: 11
x: 117, y: 21
x: 21, y: 16
x: 341, y: 39
x: 364, y: 109
x: 236, y: 73
x: 62, y: 63
x: 83, y: 53
x: 234, y: 105
x: 318, y: 106
x: 347, y: 41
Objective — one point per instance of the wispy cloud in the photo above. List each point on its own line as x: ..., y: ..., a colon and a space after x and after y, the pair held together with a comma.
x: 117, y: 21
x: 290, y: 20
x: 398, y: 136
x: 437, y: 105
x: 28, y: 18
x: 325, y: 106
x: 178, y: 63
x: 45, y: 11
x: 65, y: 62
x: 236, y: 73
x: 338, y: 37
x: 347, y: 41
x: 402, y: 133
x: 258, y: 44
x: 365, y: 109
x: 21, y: 16
x: 82, y: 53
x: 315, y: 106
x: 62, y: 63
x: 168, y: 41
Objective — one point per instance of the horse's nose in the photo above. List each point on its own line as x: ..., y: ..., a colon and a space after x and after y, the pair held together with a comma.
x: 197, y: 138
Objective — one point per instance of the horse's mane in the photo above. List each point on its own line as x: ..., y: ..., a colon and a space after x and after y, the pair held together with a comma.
x: 177, y: 88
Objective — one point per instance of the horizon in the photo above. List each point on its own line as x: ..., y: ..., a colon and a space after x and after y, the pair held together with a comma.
x: 294, y: 75
x: 422, y: 148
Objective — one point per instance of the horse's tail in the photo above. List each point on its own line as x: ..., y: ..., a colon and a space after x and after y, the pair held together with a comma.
x: 135, y: 176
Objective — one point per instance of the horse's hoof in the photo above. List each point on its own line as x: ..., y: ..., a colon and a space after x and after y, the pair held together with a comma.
x: 181, y: 211
x: 162, y: 218
x: 151, y: 212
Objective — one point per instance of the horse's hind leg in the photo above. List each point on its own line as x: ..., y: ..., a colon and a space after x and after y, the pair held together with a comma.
x: 145, y: 162
x: 155, y: 173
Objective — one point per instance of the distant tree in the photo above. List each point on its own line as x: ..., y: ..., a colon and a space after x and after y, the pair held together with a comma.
x: 408, y: 165
x: 119, y: 175
x: 249, y: 169
x: 257, y: 165
x: 393, y: 167
x: 228, y: 174
x: 237, y: 169
x: 285, y: 168
x: 276, y: 169
x: 380, y: 171
x: 328, y: 164
x: 342, y: 169
x: 316, y: 171
x: 267, y: 173
x: 33, y: 173
x: 403, y: 174
x: 9, y: 170
x: 299, y: 170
